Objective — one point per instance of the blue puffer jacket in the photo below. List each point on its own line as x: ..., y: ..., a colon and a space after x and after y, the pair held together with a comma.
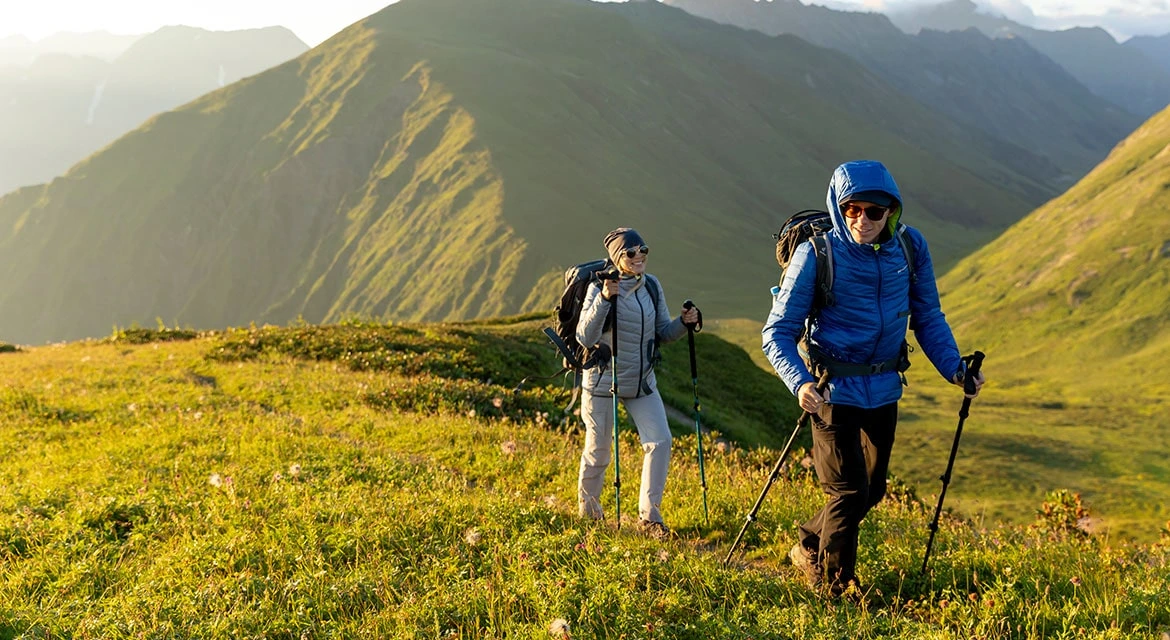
x: 874, y: 299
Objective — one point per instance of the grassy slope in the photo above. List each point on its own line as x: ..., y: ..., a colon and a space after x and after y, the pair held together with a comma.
x: 262, y: 483
x: 1070, y: 305
x: 442, y: 161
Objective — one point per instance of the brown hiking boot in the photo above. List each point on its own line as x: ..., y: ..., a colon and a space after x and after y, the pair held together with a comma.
x: 655, y: 530
x: 806, y: 561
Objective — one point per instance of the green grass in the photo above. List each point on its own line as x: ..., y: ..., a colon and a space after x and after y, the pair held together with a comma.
x: 249, y: 484
x: 1022, y: 441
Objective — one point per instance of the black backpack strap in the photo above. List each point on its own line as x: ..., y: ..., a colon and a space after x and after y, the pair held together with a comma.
x: 908, y: 251
x: 823, y: 253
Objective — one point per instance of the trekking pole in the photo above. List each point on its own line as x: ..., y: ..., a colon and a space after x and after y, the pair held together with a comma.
x: 973, y: 362
x: 613, y: 374
x: 751, y: 517
x: 698, y: 428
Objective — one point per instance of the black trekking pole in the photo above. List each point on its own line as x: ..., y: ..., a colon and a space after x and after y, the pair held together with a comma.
x: 698, y: 425
x: 751, y: 517
x: 613, y: 374
x: 974, y: 362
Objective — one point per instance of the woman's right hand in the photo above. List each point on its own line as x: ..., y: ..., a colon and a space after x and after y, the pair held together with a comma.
x: 610, y: 288
x: 809, y: 399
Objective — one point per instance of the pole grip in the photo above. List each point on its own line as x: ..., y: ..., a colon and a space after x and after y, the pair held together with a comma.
x: 974, y: 363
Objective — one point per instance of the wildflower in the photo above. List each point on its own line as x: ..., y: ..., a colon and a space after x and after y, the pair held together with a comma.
x: 942, y: 604
x: 508, y: 447
x: 294, y: 470
x: 973, y: 597
x: 215, y: 480
x: 497, y: 402
x: 471, y: 413
x: 198, y: 414
x: 472, y: 536
x: 132, y: 407
x: 722, y: 446
x: 663, y: 555
x: 806, y: 462
x: 1076, y: 581
x: 559, y: 628
x: 277, y: 477
x: 550, y: 501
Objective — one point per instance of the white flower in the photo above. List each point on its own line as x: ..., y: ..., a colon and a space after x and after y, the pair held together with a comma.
x: 559, y: 628
x: 497, y: 402
x: 215, y: 480
x: 132, y: 407
x: 294, y: 469
x: 471, y: 413
x: 508, y: 447
x: 198, y: 414
x: 472, y: 536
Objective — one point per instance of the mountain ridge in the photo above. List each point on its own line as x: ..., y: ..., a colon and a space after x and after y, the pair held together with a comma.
x: 334, y: 185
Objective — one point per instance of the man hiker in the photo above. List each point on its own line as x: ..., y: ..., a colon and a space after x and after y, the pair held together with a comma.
x: 858, y: 337
x: 643, y: 322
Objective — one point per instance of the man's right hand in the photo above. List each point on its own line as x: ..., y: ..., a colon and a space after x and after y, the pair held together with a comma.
x: 809, y: 399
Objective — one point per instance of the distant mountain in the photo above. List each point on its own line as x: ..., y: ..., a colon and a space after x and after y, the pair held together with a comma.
x: 448, y: 159
x: 20, y: 51
x: 1003, y: 87
x: 1156, y: 48
x: 62, y: 107
x: 1123, y: 75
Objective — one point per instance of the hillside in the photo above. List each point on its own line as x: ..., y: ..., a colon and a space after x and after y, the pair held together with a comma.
x: 1084, y: 281
x: 1002, y: 86
x: 62, y: 105
x: 447, y: 159
x: 1070, y: 307
x: 361, y: 481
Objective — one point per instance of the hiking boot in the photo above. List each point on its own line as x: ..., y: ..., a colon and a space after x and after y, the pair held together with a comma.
x: 806, y: 561
x: 652, y: 529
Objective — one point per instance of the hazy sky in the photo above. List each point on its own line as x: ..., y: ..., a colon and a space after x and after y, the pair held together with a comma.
x: 313, y: 22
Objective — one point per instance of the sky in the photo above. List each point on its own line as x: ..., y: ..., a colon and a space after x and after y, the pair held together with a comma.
x: 313, y: 22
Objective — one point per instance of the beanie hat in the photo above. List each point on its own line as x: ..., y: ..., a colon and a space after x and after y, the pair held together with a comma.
x: 619, y: 240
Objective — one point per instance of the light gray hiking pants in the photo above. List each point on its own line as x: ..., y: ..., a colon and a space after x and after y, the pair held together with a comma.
x: 649, y: 417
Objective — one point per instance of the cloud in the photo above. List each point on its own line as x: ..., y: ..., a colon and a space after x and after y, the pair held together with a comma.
x: 1015, y: 10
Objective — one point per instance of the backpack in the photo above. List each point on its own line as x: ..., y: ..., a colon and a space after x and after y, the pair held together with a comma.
x: 576, y: 357
x: 814, y: 225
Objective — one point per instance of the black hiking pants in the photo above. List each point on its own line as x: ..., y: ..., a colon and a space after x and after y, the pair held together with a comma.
x: 851, y: 451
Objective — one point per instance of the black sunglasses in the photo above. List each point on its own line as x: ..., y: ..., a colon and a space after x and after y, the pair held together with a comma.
x: 630, y: 253
x: 875, y: 212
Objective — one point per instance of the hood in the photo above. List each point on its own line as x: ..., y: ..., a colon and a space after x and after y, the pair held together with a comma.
x: 855, y: 177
